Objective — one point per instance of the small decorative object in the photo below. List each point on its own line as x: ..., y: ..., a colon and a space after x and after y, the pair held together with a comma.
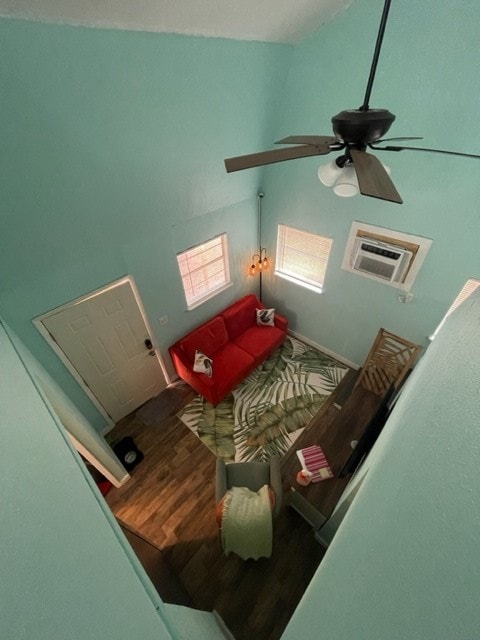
x: 304, y: 477
x: 265, y: 317
x: 203, y: 364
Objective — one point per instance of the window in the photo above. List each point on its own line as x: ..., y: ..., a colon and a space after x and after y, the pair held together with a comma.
x: 302, y: 257
x: 469, y: 287
x: 204, y: 270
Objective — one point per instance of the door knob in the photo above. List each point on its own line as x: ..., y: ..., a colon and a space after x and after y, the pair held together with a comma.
x: 149, y: 346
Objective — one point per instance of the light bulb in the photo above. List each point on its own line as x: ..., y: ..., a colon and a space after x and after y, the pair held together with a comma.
x: 343, y: 179
x: 329, y: 173
x: 347, y: 184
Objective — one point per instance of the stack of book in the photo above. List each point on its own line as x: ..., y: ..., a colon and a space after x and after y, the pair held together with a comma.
x: 314, y: 462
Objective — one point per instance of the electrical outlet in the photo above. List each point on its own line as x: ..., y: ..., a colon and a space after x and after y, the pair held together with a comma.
x: 163, y: 320
x: 405, y: 296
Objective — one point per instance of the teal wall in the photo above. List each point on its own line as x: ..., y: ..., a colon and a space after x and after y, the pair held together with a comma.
x: 67, y: 568
x: 112, y: 162
x: 71, y: 418
x: 112, y: 148
x: 428, y: 75
x: 405, y: 561
x: 65, y: 572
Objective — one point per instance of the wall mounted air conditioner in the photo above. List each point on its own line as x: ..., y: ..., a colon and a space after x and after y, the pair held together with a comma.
x: 380, y: 259
x: 388, y: 256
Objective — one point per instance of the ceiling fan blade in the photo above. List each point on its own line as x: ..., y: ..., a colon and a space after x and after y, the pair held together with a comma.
x: 315, y: 140
x: 403, y: 138
x: 270, y: 157
x: 373, y: 179
x: 450, y: 153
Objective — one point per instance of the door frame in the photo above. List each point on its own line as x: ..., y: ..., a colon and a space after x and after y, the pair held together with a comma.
x: 88, y: 455
x: 38, y: 323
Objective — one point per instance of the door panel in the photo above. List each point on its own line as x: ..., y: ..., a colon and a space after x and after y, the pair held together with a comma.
x: 103, y: 337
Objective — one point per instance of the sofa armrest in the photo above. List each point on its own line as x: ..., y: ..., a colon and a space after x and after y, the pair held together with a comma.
x: 201, y: 383
x: 281, y: 322
x: 180, y: 361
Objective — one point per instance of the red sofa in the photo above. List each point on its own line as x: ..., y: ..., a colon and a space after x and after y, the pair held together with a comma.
x: 234, y: 342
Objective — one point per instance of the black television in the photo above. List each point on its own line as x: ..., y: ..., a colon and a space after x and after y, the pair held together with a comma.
x: 371, y: 433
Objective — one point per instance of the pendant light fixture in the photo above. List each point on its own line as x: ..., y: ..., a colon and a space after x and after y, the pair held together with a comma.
x: 260, y: 261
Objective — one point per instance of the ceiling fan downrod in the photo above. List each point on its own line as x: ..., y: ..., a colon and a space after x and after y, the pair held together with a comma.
x: 376, y: 55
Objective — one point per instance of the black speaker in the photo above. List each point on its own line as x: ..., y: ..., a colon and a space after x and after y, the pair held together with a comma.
x: 128, y: 452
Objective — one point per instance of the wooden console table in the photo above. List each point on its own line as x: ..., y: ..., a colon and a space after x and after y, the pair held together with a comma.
x: 333, y: 430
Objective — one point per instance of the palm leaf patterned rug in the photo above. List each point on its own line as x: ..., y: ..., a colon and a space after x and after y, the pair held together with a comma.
x: 265, y: 414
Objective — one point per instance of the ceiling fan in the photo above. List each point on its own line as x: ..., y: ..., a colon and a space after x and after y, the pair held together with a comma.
x: 354, y: 130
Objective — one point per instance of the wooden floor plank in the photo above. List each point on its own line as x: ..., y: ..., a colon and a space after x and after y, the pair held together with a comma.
x: 170, y: 501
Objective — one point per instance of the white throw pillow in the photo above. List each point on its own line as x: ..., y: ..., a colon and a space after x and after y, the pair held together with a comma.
x: 266, y: 317
x: 203, y: 364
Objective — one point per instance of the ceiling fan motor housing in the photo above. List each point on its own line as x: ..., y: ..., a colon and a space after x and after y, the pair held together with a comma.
x: 358, y: 127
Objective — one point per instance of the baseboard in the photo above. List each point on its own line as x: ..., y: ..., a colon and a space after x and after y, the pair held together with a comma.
x: 329, y: 352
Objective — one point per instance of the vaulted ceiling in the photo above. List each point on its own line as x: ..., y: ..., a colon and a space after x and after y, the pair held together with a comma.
x: 285, y: 21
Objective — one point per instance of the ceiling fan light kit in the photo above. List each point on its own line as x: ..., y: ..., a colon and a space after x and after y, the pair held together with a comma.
x: 355, y: 130
x: 347, y: 184
x: 329, y: 173
x: 342, y: 177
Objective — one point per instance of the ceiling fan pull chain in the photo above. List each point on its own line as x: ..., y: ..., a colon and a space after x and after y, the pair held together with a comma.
x: 376, y: 55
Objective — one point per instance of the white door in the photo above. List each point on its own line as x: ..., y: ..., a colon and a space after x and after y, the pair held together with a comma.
x: 103, y: 336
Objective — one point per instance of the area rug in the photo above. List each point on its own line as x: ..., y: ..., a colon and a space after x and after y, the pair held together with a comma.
x: 265, y: 414
x: 167, y: 403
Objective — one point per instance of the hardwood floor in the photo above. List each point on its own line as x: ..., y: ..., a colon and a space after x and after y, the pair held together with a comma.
x: 162, y: 577
x: 170, y: 502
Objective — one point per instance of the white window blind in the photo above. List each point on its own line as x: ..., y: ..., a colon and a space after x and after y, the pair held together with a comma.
x: 204, y: 270
x: 302, y: 257
x: 468, y: 288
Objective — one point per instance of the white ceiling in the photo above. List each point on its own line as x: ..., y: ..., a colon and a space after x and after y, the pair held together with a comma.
x: 264, y: 20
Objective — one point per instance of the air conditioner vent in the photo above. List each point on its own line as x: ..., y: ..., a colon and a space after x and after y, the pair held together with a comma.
x: 380, y: 259
x: 375, y: 267
x: 384, y: 255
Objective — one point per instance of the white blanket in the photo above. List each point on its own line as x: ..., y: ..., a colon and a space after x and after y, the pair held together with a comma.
x: 247, y: 523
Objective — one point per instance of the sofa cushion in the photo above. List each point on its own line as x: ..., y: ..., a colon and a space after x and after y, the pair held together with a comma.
x: 230, y: 365
x: 259, y: 341
x: 208, y: 338
x: 240, y: 316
